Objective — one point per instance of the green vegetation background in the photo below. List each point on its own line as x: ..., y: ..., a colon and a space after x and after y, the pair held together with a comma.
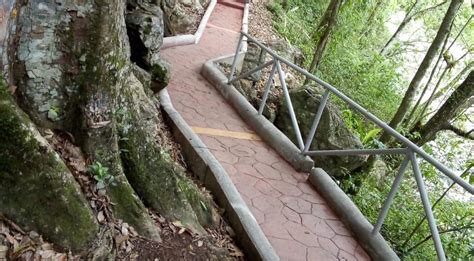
x: 353, y: 64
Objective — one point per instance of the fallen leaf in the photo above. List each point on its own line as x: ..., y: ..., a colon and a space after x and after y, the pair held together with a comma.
x: 120, y: 239
x: 12, y: 89
x: 101, y: 216
x: 124, y: 229
x: 200, y: 243
x: 177, y: 223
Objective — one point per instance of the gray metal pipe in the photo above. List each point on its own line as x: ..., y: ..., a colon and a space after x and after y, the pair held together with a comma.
x: 354, y: 152
x: 291, y: 111
x: 236, y: 57
x: 451, y: 174
x: 427, y: 206
x: 391, y: 196
x: 317, y: 118
x: 268, y: 86
x: 251, y: 71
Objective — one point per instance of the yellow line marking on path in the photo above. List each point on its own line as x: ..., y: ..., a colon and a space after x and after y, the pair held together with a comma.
x: 226, y: 133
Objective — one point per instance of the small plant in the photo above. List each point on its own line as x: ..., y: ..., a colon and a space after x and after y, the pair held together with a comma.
x: 54, y: 113
x: 101, y: 175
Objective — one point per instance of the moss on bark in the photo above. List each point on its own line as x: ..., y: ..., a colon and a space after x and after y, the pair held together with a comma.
x: 159, y: 181
x: 100, y: 81
x: 36, y: 188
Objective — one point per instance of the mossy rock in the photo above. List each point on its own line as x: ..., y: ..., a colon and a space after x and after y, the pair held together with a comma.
x: 332, y: 132
x: 160, y: 75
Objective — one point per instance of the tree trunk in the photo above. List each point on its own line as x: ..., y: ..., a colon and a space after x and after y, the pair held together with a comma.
x: 74, y: 74
x: 448, y: 111
x: 327, y: 24
x: 371, y: 18
x: 400, y: 28
x: 422, y: 69
x: 446, y: 89
x: 433, y: 71
x: 37, y: 190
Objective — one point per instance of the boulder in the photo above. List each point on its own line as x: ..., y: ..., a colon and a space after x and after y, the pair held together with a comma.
x: 286, y: 50
x: 145, y: 31
x: 332, y: 133
x: 181, y: 16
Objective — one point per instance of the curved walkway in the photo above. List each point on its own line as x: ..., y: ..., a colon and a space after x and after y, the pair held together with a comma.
x: 294, y: 217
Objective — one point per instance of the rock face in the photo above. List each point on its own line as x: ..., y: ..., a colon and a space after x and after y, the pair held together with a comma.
x: 332, y: 134
x: 145, y: 32
x: 286, y: 50
x: 181, y: 15
x: 71, y: 62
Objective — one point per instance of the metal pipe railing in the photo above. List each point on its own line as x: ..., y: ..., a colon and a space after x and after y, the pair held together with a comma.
x: 410, y: 149
x: 354, y: 152
x: 354, y: 105
x: 316, y: 120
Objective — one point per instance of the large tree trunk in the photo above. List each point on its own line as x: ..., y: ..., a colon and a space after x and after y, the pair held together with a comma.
x: 442, y: 119
x: 328, y: 22
x: 37, y: 190
x: 71, y: 63
x: 423, y: 68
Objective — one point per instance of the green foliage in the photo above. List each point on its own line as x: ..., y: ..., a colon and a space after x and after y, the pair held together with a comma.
x: 406, y: 211
x: 101, y: 175
x: 54, y: 113
x: 351, y: 62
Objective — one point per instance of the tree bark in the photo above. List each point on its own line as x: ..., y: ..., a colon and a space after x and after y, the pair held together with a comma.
x: 446, y: 89
x: 37, y: 190
x: 422, y: 69
x: 74, y: 74
x: 442, y: 119
x: 327, y: 24
x: 433, y: 71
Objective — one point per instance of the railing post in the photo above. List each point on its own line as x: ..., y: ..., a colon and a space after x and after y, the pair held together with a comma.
x: 261, y: 58
x: 427, y: 206
x: 391, y: 195
x: 268, y: 86
x: 291, y: 111
x: 317, y: 118
x: 246, y: 74
x: 236, y: 57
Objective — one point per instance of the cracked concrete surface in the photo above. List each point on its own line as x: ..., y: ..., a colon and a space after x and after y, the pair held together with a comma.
x: 293, y: 215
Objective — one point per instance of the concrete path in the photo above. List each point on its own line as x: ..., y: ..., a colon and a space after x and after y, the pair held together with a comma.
x: 294, y: 217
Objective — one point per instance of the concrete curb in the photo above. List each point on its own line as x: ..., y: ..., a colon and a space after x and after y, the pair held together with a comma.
x: 269, y: 133
x: 375, y: 245
x: 188, y: 39
x: 248, y: 233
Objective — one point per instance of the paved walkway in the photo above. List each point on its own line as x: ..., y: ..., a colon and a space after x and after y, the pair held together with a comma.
x: 293, y: 216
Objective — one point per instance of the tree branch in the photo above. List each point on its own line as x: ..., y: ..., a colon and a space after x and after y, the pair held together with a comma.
x: 470, y: 226
x: 421, y: 12
x: 460, y: 132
